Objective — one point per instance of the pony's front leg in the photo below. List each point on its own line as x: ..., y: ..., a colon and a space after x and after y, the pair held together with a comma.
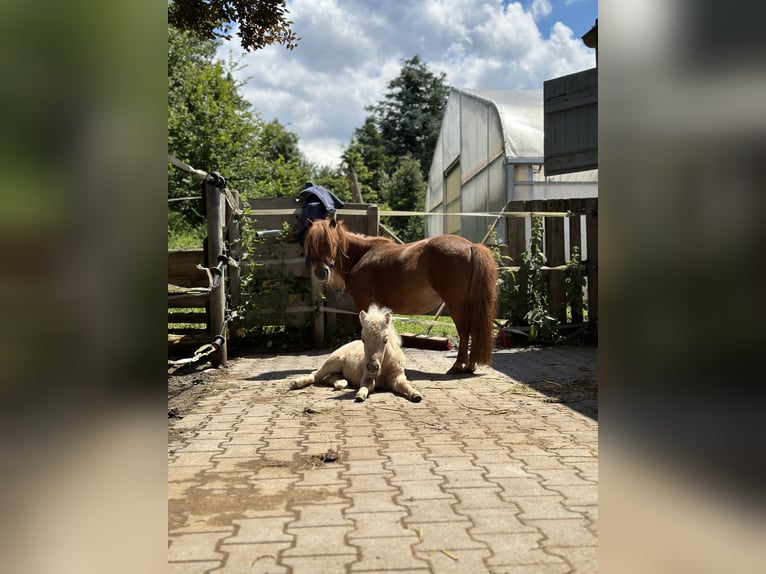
x: 401, y: 385
x: 365, y: 388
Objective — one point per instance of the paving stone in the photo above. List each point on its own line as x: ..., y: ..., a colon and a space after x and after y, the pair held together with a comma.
x: 565, y: 532
x: 500, y: 520
x: 420, y: 489
x: 253, y: 558
x: 577, y: 494
x: 239, y: 451
x: 264, y: 529
x: 319, y: 541
x: 582, y: 559
x: 379, y: 524
x: 321, y: 514
x: 517, y: 548
x: 329, y: 563
x: 440, y: 510
x: 362, y: 453
x: 444, y: 536
x: 365, y: 502
x: 543, y: 507
x: 195, y: 546
x: 178, y: 473
x: 202, y: 567
x: 368, y: 483
x: 462, y: 478
x: 548, y: 568
x: 486, y: 496
x: 386, y: 554
x: 457, y: 561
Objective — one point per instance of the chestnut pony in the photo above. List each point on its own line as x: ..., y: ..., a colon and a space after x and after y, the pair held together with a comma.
x: 413, y: 279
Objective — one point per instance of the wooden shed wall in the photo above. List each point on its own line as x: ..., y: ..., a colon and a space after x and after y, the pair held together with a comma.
x: 571, y: 122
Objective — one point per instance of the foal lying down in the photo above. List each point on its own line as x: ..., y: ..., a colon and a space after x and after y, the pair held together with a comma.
x: 377, y: 361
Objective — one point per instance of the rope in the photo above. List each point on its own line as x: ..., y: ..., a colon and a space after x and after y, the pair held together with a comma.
x: 233, y: 204
x: 186, y: 167
x: 383, y: 213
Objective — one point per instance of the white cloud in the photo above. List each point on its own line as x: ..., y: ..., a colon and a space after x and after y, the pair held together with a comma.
x: 540, y: 9
x: 351, y: 49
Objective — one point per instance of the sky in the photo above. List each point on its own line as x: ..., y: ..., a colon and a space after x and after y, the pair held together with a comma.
x: 351, y: 49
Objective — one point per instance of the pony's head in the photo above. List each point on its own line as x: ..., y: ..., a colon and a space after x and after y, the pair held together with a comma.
x: 377, y: 334
x: 324, y: 243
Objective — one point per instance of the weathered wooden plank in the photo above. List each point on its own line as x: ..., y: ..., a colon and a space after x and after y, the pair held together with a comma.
x: 575, y: 240
x: 554, y: 253
x: 191, y: 301
x: 571, y: 122
x: 591, y: 226
x: 182, y: 268
x: 186, y: 317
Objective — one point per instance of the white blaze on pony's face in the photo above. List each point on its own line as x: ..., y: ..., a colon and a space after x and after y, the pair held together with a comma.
x: 375, y: 337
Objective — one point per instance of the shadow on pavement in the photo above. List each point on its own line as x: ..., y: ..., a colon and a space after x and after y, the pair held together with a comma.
x: 565, y: 374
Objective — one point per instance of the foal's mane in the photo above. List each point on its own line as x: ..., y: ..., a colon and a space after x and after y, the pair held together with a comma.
x: 377, y: 316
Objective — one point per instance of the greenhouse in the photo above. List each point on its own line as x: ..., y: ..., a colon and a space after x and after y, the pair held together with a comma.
x: 490, y: 152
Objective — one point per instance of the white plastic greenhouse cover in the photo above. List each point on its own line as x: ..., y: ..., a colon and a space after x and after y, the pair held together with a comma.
x: 521, y: 113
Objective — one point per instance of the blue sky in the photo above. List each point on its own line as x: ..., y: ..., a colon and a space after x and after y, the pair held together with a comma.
x: 578, y: 15
x: 351, y: 49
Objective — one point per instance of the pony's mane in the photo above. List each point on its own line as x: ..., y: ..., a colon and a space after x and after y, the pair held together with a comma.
x: 344, y: 234
x: 376, y: 317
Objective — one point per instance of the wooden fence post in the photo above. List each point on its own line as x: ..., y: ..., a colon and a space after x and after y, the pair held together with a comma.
x: 215, y: 246
x: 235, y: 251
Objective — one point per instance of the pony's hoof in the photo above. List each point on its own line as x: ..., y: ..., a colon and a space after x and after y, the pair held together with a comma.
x: 416, y: 398
x: 359, y: 399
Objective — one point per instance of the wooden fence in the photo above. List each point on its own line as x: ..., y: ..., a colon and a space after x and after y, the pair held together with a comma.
x: 561, y: 236
x: 197, y: 298
x: 299, y: 299
x: 277, y: 261
x: 274, y: 261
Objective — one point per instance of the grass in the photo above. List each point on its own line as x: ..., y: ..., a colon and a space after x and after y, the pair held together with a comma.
x: 446, y: 328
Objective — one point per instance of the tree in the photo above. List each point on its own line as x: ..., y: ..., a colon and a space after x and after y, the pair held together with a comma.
x: 212, y: 127
x: 405, y: 191
x: 409, y: 118
x: 259, y: 22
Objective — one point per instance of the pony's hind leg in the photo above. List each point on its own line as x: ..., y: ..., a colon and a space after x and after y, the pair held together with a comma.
x: 332, y: 366
x: 402, y: 386
x: 338, y: 382
x: 462, y: 364
x: 302, y: 382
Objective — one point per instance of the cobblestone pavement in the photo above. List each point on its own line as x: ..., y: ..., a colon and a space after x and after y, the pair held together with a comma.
x: 495, y: 472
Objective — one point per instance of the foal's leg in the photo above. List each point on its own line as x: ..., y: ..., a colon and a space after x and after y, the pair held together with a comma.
x: 338, y: 382
x: 333, y: 365
x: 365, y: 388
x: 400, y: 384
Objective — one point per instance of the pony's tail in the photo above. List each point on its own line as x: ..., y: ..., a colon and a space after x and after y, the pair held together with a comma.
x: 483, y: 295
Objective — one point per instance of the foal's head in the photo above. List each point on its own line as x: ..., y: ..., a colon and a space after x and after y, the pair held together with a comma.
x: 377, y: 334
x: 324, y: 243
